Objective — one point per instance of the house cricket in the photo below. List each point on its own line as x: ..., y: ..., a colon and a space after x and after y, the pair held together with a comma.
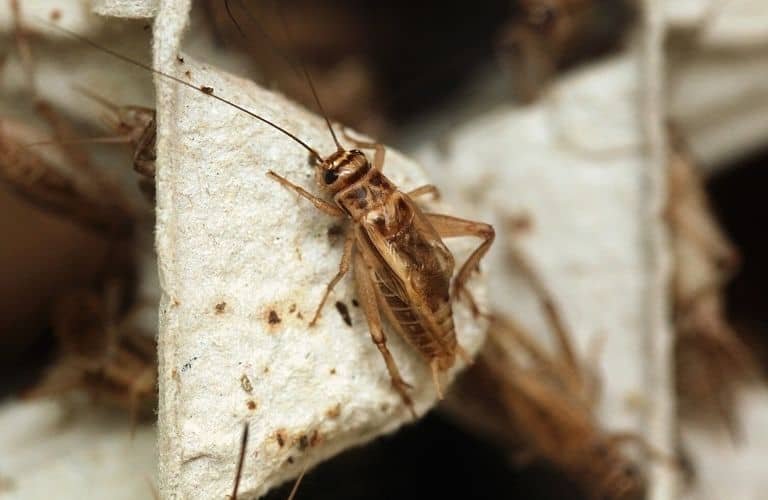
x: 545, y: 34
x: 134, y: 126
x: 544, y: 403
x: 402, y: 267
x: 102, y: 353
x: 100, y: 350
x: 711, y: 362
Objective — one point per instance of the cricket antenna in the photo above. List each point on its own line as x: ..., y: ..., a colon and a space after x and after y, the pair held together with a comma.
x: 205, y: 90
x: 320, y: 106
x: 240, y: 462
x: 295, y: 488
x: 232, y: 18
x: 303, y: 68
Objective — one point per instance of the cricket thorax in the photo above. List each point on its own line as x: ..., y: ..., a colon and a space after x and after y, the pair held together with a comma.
x: 370, y: 198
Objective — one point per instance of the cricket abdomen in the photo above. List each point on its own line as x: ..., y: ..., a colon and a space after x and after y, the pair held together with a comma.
x: 432, y: 335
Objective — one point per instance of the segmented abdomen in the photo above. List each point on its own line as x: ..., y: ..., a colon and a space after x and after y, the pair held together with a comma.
x: 433, y: 337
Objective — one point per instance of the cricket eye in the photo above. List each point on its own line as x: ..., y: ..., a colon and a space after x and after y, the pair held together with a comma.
x: 330, y: 176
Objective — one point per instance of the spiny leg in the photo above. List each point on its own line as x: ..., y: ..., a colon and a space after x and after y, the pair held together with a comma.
x: 366, y: 290
x: 319, y: 203
x: 448, y: 227
x: 379, y: 151
x: 434, y: 365
x: 346, y: 257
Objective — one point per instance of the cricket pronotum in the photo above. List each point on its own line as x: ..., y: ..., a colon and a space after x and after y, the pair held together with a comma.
x: 402, y: 267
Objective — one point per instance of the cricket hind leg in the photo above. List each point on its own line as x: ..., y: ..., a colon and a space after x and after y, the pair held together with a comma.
x: 346, y: 257
x: 368, y: 297
x: 449, y: 227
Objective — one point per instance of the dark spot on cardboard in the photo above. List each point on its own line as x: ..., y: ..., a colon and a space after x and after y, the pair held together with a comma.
x: 273, y: 318
x: 55, y: 15
x: 251, y: 404
x: 188, y: 364
x: 333, y: 411
x: 206, y: 89
x: 355, y: 303
x: 180, y: 59
x: 334, y: 233
x: 344, y: 312
x: 333, y: 371
x: 220, y: 307
x: 303, y: 442
x: 281, y: 437
x: 315, y: 438
x: 292, y: 309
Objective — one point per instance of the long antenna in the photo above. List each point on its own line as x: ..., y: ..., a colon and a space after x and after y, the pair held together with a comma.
x: 303, y: 67
x: 240, y: 462
x: 205, y: 90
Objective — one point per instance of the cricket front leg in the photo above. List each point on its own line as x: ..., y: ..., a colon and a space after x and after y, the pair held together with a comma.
x: 366, y: 290
x: 449, y: 227
x: 424, y: 190
x: 346, y: 257
x: 319, y: 203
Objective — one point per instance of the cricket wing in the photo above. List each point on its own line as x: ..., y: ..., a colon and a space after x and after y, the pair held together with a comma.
x: 412, y: 269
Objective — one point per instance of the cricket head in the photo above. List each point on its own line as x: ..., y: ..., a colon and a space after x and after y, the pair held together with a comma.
x: 342, y: 169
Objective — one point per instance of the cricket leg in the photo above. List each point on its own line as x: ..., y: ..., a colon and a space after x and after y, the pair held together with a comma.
x: 346, y: 257
x: 650, y: 451
x: 425, y: 189
x: 367, y: 295
x: 379, y: 151
x: 517, y: 225
x: 319, y: 203
x: 449, y: 227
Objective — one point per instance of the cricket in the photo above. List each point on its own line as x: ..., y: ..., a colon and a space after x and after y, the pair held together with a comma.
x: 544, y: 402
x: 100, y: 349
x: 712, y: 363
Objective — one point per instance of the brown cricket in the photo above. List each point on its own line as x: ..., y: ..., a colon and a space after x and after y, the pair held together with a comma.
x: 543, y: 402
x: 711, y: 362
x: 100, y: 351
x: 402, y: 267
x: 546, y: 34
x: 136, y: 127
